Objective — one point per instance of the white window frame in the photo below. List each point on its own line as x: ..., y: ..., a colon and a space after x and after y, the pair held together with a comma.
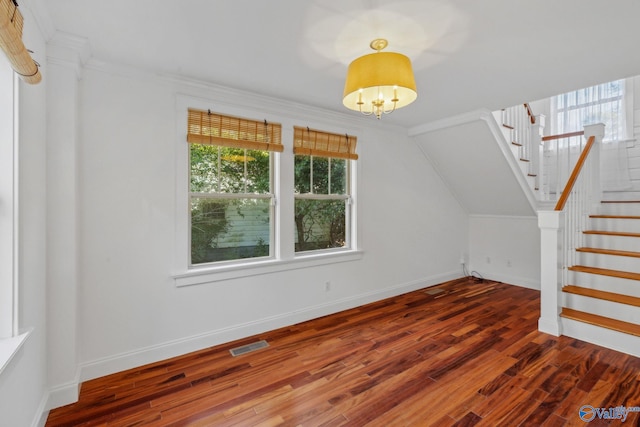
x: 627, y: 104
x: 284, y: 259
x: 10, y: 338
x: 331, y: 196
x: 241, y: 196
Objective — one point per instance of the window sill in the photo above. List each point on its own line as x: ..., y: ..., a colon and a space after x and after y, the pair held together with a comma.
x: 199, y: 276
x: 9, y: 347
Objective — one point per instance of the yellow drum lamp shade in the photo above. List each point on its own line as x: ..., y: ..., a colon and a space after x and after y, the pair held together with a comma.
x: 380, y: 82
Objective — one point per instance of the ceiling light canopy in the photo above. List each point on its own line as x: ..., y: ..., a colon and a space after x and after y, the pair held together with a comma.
x: 380, y: 82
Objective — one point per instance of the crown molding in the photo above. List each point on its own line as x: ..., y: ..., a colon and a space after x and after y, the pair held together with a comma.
x: 68, y: 50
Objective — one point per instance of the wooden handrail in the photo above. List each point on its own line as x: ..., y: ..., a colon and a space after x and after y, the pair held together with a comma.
x: 562, y: 135
x: 532, y: 118
x: 574, y: 175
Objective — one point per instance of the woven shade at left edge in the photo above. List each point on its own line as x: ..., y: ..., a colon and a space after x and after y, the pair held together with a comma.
x: 11, y: 43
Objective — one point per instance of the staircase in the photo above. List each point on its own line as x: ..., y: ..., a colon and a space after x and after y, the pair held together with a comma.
x: 602, y: 296
x: 517, y: 127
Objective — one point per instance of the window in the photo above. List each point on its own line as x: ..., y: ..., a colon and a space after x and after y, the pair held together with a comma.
x: 231, y: 195
x: 8, y: 202
x: 10, y: 338
x: 322, y: 189
x: 237, y: 192
x: 605, y: 103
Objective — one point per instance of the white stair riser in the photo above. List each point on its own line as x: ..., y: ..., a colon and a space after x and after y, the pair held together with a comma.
x: 611, y: 262
x: 619, y: 209
x: 625, y: 343
x: 621, y: 243
x: 621, y: 195
x: 605, y: 283
x: 613, y: 310
x: 618, y: 224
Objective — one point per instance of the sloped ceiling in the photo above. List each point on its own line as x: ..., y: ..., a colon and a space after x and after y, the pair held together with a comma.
x: 467, y: 54
x: 470, y: 160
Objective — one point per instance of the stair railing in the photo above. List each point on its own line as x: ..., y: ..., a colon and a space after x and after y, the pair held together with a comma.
x: 519, y: 121
x: 559, y: 156
x: 561, y: 229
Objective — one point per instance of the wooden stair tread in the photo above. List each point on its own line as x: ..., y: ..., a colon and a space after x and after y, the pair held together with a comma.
x: 612, y: 233
x: 604, y: 295
x: 606, y: 272
x: 524, y: 160
x: 615, y: 216
x: 604, y: 322
x: 609, y: 252
x: 517, y: 144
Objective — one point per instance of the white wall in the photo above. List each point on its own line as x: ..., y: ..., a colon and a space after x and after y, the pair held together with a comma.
x: 23, y: 384
x: 505, y: 248
x: 130, y: 311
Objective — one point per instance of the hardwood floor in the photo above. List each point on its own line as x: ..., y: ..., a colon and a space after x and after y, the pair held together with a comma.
x: 461, y: 353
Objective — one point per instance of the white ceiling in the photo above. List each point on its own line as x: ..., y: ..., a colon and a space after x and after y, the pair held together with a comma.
x: 467, y: 54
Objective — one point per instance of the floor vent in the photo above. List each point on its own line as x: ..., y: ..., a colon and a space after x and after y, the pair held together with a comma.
x: 433, y: 291
x: 248, y: 348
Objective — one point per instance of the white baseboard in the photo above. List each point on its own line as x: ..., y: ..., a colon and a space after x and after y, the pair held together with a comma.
x: 42, y: 412
x: 68, y: 393
x: 64, y: 394
x: 550, y: 326
x: 516, y: 281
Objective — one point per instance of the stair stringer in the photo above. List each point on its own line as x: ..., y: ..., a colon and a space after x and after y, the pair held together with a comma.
x: 505, y: 147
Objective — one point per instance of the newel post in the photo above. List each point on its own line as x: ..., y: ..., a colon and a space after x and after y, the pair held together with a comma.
x: 595, y: 196
x: 551, y: 225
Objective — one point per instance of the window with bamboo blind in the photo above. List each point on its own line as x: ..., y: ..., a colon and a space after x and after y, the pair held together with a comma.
x: 323, y: 208
x: 311, y: 142
x: 230, y: 189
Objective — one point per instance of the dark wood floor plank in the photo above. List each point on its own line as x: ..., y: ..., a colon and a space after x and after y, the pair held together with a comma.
x: 468, y: 355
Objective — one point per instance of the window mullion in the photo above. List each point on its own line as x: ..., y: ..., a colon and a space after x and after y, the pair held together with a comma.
x: 310, y: 174
x: 245, y: 171
x: 219, y: 171
x: 329, y: 176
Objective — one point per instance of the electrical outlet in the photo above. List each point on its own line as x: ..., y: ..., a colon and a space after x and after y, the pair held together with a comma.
x: 508, y: 263
x: 327, y: 286
x: 488, y: 260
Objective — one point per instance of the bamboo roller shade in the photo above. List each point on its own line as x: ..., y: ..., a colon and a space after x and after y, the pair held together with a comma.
x: 205, y: 127
x: 311, y: 142
x: 11, y: 23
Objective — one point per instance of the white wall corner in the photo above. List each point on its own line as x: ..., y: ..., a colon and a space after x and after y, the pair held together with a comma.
x: 42, y: 413
x: 64, y: 394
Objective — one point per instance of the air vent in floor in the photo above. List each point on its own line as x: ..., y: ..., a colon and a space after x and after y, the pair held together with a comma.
x: 433, y: 291
x: 248, y: 348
